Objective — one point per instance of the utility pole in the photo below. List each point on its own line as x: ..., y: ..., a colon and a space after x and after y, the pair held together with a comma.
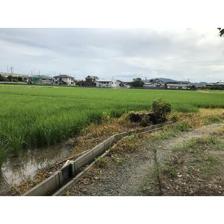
x: 11, y: 69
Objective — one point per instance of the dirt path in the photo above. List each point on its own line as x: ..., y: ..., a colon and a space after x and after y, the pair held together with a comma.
x: 135, y: 172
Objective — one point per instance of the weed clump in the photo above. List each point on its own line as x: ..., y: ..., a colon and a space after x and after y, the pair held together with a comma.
x: 160, y: 111
x: 213, y: 119
x: 145, y: 121
x: 101, y: 163
x: 182, y: 126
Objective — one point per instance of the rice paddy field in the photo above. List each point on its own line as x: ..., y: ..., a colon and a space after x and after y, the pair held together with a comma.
x: 36, y: 116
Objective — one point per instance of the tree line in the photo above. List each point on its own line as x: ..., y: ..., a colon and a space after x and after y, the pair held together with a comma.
x: 11, y: 78
x: 89, y: 81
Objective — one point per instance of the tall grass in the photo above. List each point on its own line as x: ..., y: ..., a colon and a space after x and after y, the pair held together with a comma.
x: 35, y: 116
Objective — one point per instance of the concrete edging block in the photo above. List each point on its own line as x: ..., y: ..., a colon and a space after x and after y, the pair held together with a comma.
x: 47, y: 187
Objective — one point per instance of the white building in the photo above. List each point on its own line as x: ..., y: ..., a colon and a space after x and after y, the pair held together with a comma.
x: 126, y: 84
x: 64, y: 80
x: 103, y: 84
x: 150, y: 85
x: 179, y: 85
x: 116, y: 84
x: 109, y: 84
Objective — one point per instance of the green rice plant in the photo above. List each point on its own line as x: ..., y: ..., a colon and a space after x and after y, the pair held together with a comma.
x: 37, y: 116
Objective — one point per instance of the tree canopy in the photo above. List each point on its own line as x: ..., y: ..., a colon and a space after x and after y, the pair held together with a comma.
x: 137, y: 83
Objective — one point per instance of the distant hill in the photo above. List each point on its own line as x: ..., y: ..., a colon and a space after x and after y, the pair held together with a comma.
x: 163, y: 80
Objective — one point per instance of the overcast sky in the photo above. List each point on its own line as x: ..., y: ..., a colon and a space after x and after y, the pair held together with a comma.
x: 197, y: 55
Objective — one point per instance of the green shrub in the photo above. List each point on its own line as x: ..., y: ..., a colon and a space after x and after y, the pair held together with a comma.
x: 161, y: 109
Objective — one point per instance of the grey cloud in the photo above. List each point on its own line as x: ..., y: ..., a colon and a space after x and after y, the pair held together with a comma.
x: 120, y: 53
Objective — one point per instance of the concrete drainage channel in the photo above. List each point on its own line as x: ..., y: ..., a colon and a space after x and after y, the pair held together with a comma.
x: 57, y: 183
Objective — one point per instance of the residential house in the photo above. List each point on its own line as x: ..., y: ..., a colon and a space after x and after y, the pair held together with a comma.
x: 104, y: 84
x: 64, y: 80
x: 109, y: 84
x: 153, y: 85
x: 126, y: 84
x: 199, y: 85
x: 116, y: 84
x: 157, y: 83
x: 216, y: 85
x: 164, y: 83
x: 179, y: 85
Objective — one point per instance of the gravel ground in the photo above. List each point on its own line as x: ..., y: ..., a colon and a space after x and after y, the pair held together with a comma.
x: 117, y: 178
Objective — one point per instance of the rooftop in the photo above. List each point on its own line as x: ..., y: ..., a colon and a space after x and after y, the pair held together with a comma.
x: 63, y: 76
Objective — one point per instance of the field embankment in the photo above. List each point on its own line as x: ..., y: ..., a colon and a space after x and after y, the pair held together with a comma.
x: 185, y: 159
x: 35, y: 116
